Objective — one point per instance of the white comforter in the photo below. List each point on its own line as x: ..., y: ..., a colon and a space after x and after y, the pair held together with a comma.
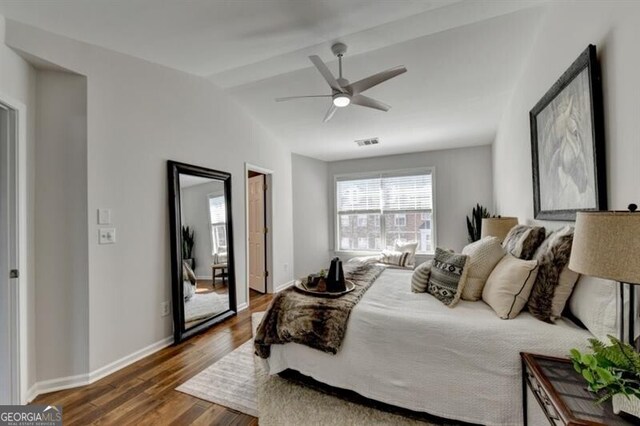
x: 411, y: 351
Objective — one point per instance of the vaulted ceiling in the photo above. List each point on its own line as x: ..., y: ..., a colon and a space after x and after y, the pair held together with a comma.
x: 463, y: 59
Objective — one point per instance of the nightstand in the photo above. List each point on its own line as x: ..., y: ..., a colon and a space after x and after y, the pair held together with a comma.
x: 554, y: 393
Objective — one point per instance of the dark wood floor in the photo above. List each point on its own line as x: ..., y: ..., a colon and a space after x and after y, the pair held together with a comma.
x: 144, y: 392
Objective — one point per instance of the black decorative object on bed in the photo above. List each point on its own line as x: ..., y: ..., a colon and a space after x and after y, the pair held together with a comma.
x: 567, y: 143
x: 294, y: 317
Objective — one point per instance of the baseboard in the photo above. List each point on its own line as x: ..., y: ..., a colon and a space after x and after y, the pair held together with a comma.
x: 204, y: 277
x: 129, y: 359
x: 242, y: 307
x: 53, y: 385
x: 283, y: 286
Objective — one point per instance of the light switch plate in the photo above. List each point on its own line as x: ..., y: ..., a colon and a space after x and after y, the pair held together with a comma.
x: 104, y: 216
x: 107, y: 236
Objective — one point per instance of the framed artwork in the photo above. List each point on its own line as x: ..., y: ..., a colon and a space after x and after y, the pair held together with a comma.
x: 567, y: 143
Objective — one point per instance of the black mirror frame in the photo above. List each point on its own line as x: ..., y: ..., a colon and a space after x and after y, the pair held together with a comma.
x: 174, y: 170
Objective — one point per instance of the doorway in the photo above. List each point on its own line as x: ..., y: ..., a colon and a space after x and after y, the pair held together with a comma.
x: 259, y: 232
x: 10, y: 233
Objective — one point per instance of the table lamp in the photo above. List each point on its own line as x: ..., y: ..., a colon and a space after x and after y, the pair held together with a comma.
x: 497, y: 226
x: 606, y: 244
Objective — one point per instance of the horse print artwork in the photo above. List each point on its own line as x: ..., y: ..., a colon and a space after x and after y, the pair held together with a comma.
x: 567, y: 143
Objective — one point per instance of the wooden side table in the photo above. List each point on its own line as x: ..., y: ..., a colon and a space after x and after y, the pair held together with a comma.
x: 222, y: 267
x: 554, y: 393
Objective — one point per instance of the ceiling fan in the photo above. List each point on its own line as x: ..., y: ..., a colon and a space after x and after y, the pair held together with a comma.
x: 344, y: 93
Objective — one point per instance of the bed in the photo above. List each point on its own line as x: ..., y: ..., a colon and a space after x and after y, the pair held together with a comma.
x: 411, y: 351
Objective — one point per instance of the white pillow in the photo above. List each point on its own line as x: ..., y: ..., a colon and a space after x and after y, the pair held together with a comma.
x: 594, y: 303
x: 188, y: 290
x: 409, y: 248
x: 509, y: 285
x: 484, y: 255
x: 395, y: 258
x: 420, y: 277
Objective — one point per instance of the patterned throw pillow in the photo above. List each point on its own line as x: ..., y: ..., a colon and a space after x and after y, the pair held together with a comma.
x: 555, y: 280
x: 448, y: 276
x: 509, y: 285
x: 420, y: 277
x: 409, y: 248
x: 522, y: 241
x: 395, y: 258
x: 484, y: 255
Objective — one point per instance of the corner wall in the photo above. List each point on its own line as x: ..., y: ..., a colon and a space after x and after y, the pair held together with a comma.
x: 566, y: 30
x: 311, y: 219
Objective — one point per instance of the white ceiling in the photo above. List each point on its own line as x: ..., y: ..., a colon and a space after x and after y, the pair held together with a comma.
x: 463, y: 59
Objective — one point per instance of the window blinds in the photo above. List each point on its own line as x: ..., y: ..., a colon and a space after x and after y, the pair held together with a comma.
x: 385, y: 193
x: 217, y: 210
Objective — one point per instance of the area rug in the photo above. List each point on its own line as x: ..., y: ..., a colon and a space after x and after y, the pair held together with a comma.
x: 205, y: 305
x: 229, y: 382
x: 240, y: 382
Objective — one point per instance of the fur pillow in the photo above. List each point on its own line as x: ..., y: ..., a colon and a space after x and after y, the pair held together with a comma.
x: 448, y: 276
x: 484, y: 255
x: 509, y: 285
x: 555, y: 280
x: 420, y: 277
x: 409, y: 248
x: 395, y: 258
x: 522, y: 241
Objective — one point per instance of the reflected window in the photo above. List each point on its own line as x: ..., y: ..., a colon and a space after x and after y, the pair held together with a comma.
x: 218, y: 216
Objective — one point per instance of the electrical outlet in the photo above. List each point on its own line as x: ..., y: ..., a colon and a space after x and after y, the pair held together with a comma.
x: 104, y: 216
x: 164, y: 309
x: 286, y: 267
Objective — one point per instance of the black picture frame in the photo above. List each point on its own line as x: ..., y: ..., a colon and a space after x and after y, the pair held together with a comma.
x: 175, y: 169
x: 595, y: 176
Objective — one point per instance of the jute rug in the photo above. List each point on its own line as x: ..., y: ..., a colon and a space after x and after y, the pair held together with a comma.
x: 239, y: 383
x: 230, y: 382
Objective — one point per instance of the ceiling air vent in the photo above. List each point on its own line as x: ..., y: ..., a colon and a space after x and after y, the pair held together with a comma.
x: 367, y: 142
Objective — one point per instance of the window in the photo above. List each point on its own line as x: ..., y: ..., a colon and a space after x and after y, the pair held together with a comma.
x: 374, y: 211
x: 218, y: 216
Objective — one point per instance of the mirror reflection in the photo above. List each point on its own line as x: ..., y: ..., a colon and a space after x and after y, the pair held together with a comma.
x: 204, y: 248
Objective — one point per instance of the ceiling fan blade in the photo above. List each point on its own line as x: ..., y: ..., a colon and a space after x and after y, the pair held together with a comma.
x: 326, y: 73
x: 289, y: 98
x: 368, y: 102
x: 373, y: 80
x: 332, y: 110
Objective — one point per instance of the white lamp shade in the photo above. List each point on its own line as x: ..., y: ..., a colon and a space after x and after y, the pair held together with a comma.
x: 497, y: 226
x: 607, y: 245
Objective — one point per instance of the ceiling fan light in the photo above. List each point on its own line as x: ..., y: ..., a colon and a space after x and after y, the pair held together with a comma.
x: 341, y: 100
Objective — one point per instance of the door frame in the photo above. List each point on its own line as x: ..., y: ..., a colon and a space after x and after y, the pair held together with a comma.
x: 268, y: 205
x: 17, y: 247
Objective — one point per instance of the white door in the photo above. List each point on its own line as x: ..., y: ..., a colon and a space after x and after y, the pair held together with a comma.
x: 257, y: 230
x: 9, y: 392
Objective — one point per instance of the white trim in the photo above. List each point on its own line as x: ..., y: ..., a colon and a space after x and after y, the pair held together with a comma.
x: 68, y: 382
x: 241, y: 307
x: 18, y: 332
x: 284, y: 286
x: 204, y: 277
x: 434, y: 221
x: 269, y: 216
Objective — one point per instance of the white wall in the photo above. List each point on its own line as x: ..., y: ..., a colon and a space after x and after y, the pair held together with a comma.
x: 566, y: 30
x: 62, y: 270
x: 311, y: 231
x: 17, y: 83
x: 463, y: 177
x: 139, y: 116
x: 195, y: 213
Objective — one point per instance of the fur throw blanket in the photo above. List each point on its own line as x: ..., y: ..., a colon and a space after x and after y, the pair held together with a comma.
x: 317, y: 322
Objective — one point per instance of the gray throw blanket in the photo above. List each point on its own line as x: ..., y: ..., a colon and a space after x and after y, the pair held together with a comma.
x: 317, y: 322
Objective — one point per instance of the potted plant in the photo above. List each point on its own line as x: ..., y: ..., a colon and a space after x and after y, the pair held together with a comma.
x: 612, y: 371
x: 188, y: 241
x: 474, y: 224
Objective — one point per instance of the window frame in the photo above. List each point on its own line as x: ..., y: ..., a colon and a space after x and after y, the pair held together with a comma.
x: 360, y: 175
x: 212, y: 225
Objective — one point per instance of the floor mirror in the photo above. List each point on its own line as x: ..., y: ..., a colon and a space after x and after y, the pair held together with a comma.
x: 202, y: 262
